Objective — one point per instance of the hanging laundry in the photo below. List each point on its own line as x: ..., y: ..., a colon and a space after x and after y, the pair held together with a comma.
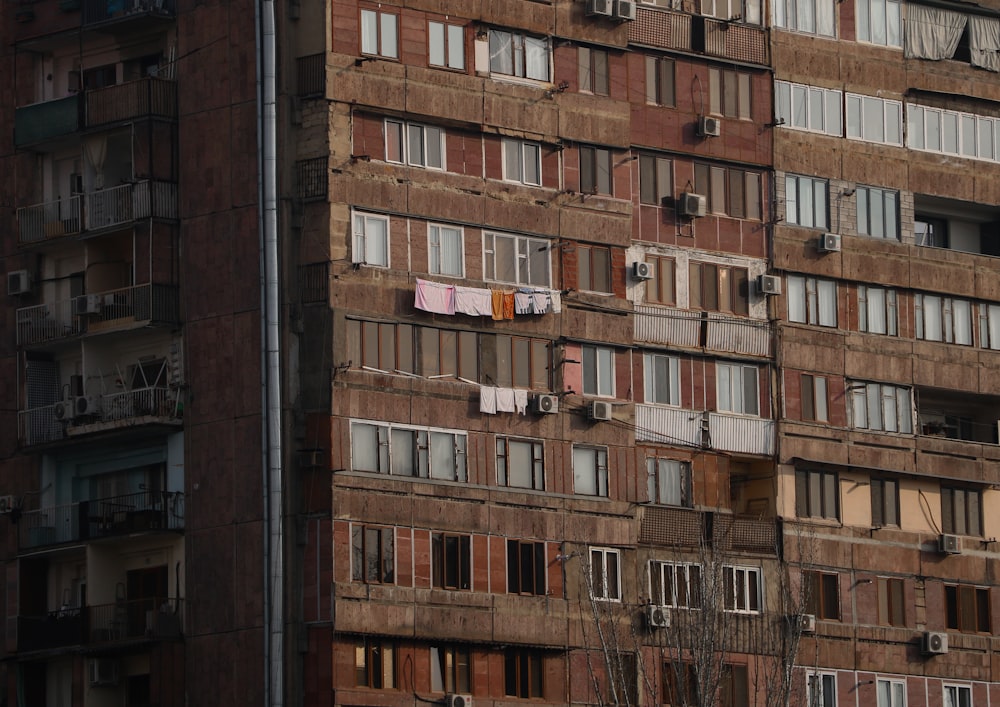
x: 523, y: 303
x: 541, y: 302
x: 521, y: 401
x: 488, y: 399
x: 505, y: 400
x: 434, y: 297
x: 497, y: 299
x: 556, y: 301
x: 508, y: 305
x: 474, y: 301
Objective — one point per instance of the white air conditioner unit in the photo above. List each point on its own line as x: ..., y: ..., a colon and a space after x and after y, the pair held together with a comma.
x: 934, y: 643
x: 600, y: 8
x: 829, y: 243
x: 807, y: 623
x: 949, y: 544
x: 6, y: 504
x: 458, y: 700
x: 18, y: 282
x: 769, y: 285
x: 625, y: 10
x: 709, y: 126
x: 64, y: 410
x: 693, y: 204
x: 657, y: 616
x: 642, y: 271
x: 87, y: 405
x: 599, y: 410
x: 545, y: 404
x: 103, y: 671
x: 87, y: 304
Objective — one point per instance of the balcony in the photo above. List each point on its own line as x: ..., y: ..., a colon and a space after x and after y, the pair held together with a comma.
x: 691, y: 528
x: 705, y: 430
x: 148, y: 97
x: 53, y: 219
x: 47, y: 120
x: 147, y: 511
x: 125, y: 308
x: 134, y: 620
x: 132, y: 11
x: 56, y: 629
x: 669, y: 29
x: 721, y: 333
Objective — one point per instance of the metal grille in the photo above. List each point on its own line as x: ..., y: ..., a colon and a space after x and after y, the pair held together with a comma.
x: 671, y: 526
x: 314, y: 280
x: 312, y: 178
x: 311, y: 75
x: 744, y: 534
x: 661, y: 28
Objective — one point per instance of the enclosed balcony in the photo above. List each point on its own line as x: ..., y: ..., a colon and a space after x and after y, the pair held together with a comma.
x: 47, y: 120
x: 687, y: 527
x: 741, y: 434
x: 724, y: 38
x: 956, y: 225
x: 712, y: 331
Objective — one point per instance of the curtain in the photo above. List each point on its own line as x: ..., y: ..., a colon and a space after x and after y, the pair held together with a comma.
x: 932, y: 33
x: 96, y: 150
x: 984, y: 42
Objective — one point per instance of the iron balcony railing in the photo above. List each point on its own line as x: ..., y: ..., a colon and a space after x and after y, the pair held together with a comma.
x: 50, y: 220
x: 135, y: 619
x: 100, y: 11
x: 742, y: 434
x: 670, y: 29
x: 712, y: 330
x: 148, y: 97
x: 56, y: 629
x: 691, y: 528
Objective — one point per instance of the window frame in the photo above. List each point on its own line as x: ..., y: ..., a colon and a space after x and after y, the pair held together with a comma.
x: 821, y: 108
x: 738, y: 396
x: 867, y: 10
x: 810, y: 297
x: 809, y: 482
x: 664, y: 289
x: 447, y: 42
x: 887, y: 308
x: 660, y: 471
x: 651, y: 380
x: 814, y: 405
x: 716, y: 183
x: 591, y: 276
x: 859, y: 106
x: 661, y: 81
x: 521, y: 46
x: 817, y: 684
x: 449, y: 668
x: 515, y: 150
x: 654, y: 170
x: 746, y: 595
x: 525, y: 250
x: 518, y: 362
x: 599, y: 469
x: 803, y: 211
x: 451, y: 561
x: 962, y: 695
x: 360, y: 240
x: 961, y: 510
x: 684, y: 584
x: 603, y: 588
x: 537, y: 452
x: 782, y: 18
x: 902, y: 397
x: 526, y: 567
x: 864, y: 199
x: 989, y: 325
x: 590, y: 76
x: 401, y: 136
x: 718, y: 287
x: 947, y: 319
x: 381, y: 30
x: 597, y: 170
x: 885, y: 502
x: 368, y: 651
x: 528, y: 667
x: 600, y: 383
x: 822, y: 594
x: 422, y: 462
x: 730, y: 93
x: 960, y: 616
x: 891, y: 602
x: 435, y: 250
x: 919, y: 132
x: 361, y: 537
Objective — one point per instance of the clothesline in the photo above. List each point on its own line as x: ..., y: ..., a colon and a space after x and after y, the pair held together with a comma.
x: 498, y: 304
x: 493, y: 400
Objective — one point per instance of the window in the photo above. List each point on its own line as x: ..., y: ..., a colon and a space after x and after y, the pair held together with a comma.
x: 989, y: 326
x: 953, y: 133
x: 812, y: 300
x: 930, y: 231
x: 426, y: 351
x: 878, y: 406
x: 891, y: 606
x: 957, y: 696
x: 446, y: 352
x: 878, y: 212
x: 733, y: 10
x: 519, y: 260
x: 730, y: 191
x: 885, y: 502
x: 519, y: 55
x: 816, y: 494
x: 595, y: 170
x: 813, y: 395
x: 605, y: 581
x: 729, y: 93
x: 809, y: 108
x: 593, y: 265
x: 719, y: 288
x: 734, y: 690
x: 523, y: 673
x: 623, y: 682
x: 451, y: 557
x: 371, y: 240
x: 822, y: 593
x: 736, y: 388
x: 590, y: 471
x: 408, y: 451
x: 521, y: 463
x: 940, y: 318
x: 680, y: 684
x: 414, y: 144
x: 445, y: 45
x: 451, y: 669
x: 594, y: 71
x: 598, y: 371
x: 660, y: 287
x: 821, y: 689
x: 967, y: 609
x: 878, y: 22
x: 445, y: 250
x: 381, y: 346
x: 526, y: 567
x: 515, y: 362
x: 660, y: 81
x: 669, y: 482
x: 522, y: 162
x: 877, y: 312
x: 874, y: 119
x: 374, y: 664
x: 742, y: 589
x: 662, y: 374
x: 655, y: 183
x: 961, y: 511
x: 675, y: 584
x: 379, y: 34
x: 372, y: 557
x: 806, y: 201
x: 810, y: 16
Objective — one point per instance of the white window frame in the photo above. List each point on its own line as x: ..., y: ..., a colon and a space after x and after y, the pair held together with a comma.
x: 423, y: 459
x: 662, y: 370
x: 436, y: 245
x: 419, y: 154
x: 518, y: 157
x: 817, y: 685
x: 679, y: 572
x: 601, y: 359
x: 889, y: 111
x: 746, y: 11
x: 972, y: 136
x: 521, y: 47
x: 611, y: 591
x: 365, y: 245
x: 812, y: 300
x: 386, y: 33
x: 526, y: 250
x: 816, y: 110
x: 668, y: 482
x: 887, y: 691
x: 788, y: 15
x: 731, y: 381
x: 807, y: 201
x: 739, y: 592
x: 939, y: 318
x: 875, y: 21
x: 880, y: 300
x: 881, y: 407
x: 447, y: 37
x: 536, y: 452
x: 592, y: 481
x: 877, y: 212
x: 989, y: 326
x: 957, y: 692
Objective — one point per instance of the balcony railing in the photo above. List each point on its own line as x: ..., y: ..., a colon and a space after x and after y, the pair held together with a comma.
x: 719, y: 332
x: 46, y: 120
x: 47, y: 322
x: 664, y: 325
x: 50, y: 220
x: 148, y: 97
x: 106, y: 517
x: 135, y: 619
x: 751, y: 337
x: 311, y: 75
x: 669, y: 29
x: 709, y: 430
x: 95, y: 11
x: 691, y: 528
x: 56, y: 629
x: 743, y: 435
x: 125, y: 203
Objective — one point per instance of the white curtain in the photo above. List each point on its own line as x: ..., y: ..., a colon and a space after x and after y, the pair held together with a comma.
x: 932, y: 33
x: 96, y: 151
x: 984, y: 42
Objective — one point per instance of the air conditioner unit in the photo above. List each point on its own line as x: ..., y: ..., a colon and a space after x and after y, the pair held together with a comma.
x: 657, y: 616
x: 64, y: 410
x: 87, y: 304
x: 6, y: 504
x: 769, y: 285
x: 693, y: 204
x: 829, y: 243
x: 458, y: 700
x: 625, y: 10
x: 599, y: 410
x: 87, y: 405
x: 642, y: 271
x: 949, y: 544
x: 934, y: 643
x: 600, y: 8
x: 807, y: 623
x: 18, y: 282
x: 709, y: 126
x: 103, y: 671
x: 545, y: 404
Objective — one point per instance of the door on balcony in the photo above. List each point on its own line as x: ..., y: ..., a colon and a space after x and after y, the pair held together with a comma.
x: 146, y: 590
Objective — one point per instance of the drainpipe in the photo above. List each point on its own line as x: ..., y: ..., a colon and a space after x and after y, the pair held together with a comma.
x: 270, y: 357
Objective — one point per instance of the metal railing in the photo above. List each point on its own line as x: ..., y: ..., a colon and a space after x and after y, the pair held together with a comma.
x: 129, y: 620
x: 709, y: 430
x: 745, y: 435
x: 713, y: 330
x: 153, y: 401
x: 39, y: 426
x: 670, y: 29
x: 687, y: 527
x: 665, y: 325
x: 740, y: 335
x: 56, y: 629
x: 663, y: 28
x: 49, y: 220
x: 150, y: 96
x: 314, y: 282
x: 312, y: 175
x: 47, y: 322
x: 107, y: 10
x: 311, y: 75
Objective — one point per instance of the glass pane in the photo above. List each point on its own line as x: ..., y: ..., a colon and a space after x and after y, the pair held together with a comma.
x: 364, y: 447
x: 854, y: 116
x: 584, y: 471
x: 520, y: 464
x: 388, y: 35
x: 403, y: 451
x: 949, y: 131
x: 816, y: 108
x: 874, y: 128
x: 369, y: 32
x: 436, y: 43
